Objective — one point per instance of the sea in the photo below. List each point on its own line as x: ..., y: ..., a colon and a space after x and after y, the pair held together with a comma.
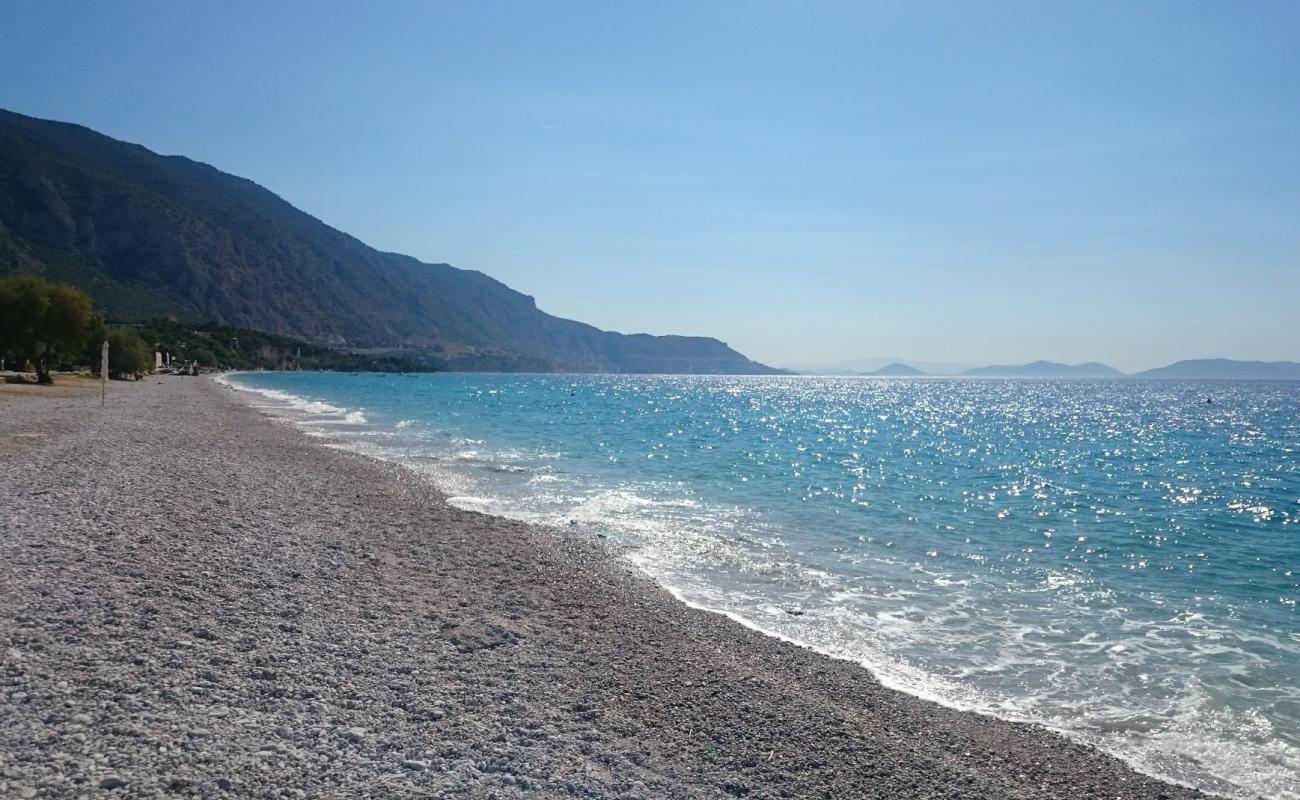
x: 1116, y: 560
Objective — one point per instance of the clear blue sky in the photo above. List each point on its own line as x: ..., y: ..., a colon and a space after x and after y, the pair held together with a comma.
x: 980, y: 182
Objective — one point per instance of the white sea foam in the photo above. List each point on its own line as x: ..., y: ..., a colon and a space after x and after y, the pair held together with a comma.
x: 301, y: 408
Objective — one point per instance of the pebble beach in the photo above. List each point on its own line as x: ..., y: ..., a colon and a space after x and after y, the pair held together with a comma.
x: 200, y: 600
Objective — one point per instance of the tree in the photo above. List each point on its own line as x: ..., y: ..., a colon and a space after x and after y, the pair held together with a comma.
x: 127, y: 352
x: 204, y: 356
x: 41, y: 321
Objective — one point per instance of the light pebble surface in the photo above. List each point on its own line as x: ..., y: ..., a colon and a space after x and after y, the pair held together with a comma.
x: 200, y: 601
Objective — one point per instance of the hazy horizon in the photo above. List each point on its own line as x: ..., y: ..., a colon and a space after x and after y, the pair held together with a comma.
x: 940, y: 368
x: 1016, y: 182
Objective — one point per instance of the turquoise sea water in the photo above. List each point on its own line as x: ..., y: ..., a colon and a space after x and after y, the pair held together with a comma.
x: 1119, y: 560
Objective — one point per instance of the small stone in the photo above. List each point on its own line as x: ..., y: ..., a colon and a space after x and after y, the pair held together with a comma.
x: 219, y: 712
x: 508, y: 779
x: 82, y: 719
x: 283, y: 731
x: 415, y: 764
x: 224, y: 784
x: 26, y: 792
x: 112, y: 782
x: 355, y: 734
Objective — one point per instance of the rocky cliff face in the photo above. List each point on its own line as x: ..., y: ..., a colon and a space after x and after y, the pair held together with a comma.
x: 150, y: 235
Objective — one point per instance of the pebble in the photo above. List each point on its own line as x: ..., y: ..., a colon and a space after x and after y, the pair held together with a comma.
x: 175, y: 622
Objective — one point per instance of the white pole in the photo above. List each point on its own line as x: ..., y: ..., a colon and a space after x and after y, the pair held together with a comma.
x: 103, y: 373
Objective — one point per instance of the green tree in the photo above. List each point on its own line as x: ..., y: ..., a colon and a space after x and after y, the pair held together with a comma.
x: 41, y: 321
x: 127, y: 352
x: 204, y: 356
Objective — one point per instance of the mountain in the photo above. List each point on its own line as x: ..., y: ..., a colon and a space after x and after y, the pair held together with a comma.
x: 1226, y: 369
x: 1046, y: 369
x: 898, y: 370
x: 868, y: 366
x: 153, y: 236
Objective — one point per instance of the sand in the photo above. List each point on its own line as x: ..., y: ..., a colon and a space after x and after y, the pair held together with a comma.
x: 66, y: 385
x: 199, y: 601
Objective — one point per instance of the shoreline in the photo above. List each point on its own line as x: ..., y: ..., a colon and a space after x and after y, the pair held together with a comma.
x: 524, y: 661
x: 292, y: 405
x: 1173, y: 767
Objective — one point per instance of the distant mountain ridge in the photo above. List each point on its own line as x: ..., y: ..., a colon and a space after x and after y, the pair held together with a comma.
x: 1191, y: 369
x: 152, y: 236
x: 898, y: 370
x: 869, y: 366
x: 1046, y: 369
x: 1226, y: 369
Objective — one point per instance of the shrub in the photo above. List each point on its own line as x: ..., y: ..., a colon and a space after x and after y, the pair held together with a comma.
x: 127, y: 352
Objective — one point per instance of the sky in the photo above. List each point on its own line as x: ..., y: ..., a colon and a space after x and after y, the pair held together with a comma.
x: 808, y: 181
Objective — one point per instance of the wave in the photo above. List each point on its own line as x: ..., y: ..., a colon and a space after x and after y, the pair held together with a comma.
x: 315, y: 410
x: 1196, y: 741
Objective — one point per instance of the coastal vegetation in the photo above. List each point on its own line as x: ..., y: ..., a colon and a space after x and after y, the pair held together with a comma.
x: 128, y: 354
x: 219, y: 346
x: 40, y: 322
x: 50, y: 326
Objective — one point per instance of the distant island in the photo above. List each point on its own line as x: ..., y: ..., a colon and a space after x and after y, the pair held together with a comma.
x: 1226, y: 369
x: 1046, y: 369
x: 871, y: 366
x: 898, y: 370
x: 162, y: 237
x: 1193, y: 369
